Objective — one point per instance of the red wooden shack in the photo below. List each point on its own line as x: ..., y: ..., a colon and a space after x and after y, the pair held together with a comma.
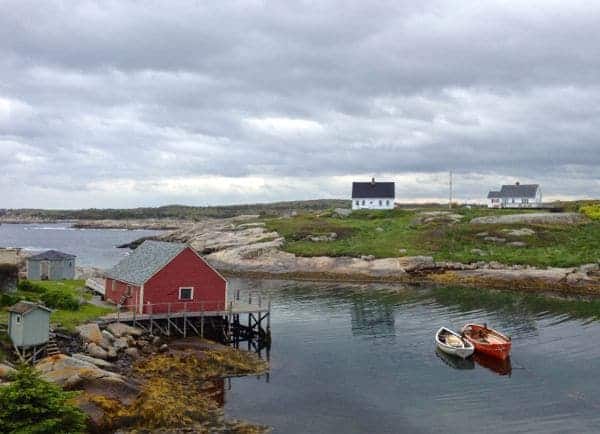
x: 160, y: 277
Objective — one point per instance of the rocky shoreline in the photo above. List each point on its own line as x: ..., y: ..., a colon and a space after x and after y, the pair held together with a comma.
x: 130, y: 380
x: 242, y: 246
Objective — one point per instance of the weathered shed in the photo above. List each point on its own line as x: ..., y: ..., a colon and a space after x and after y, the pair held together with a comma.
x: 28, y: 324
x: 9, y: 277
x: 166, y: 277
x: 51, y: 265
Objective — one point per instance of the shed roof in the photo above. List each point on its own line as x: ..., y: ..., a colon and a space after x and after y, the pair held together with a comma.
x: 24, y: 307
x: 515, y: 190
x: 145, y: 261
x: 373, y: 189
x: 51, y: 255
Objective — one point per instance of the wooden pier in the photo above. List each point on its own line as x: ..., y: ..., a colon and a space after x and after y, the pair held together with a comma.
x: 234, y: 322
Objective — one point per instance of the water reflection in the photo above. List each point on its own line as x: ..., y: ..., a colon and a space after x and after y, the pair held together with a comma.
x: 370, y: 318
x: 455, y: 362
x: 500, y: 367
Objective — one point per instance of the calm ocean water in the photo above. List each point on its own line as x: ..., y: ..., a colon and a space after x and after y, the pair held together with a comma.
x: 93, y: 247
x: 361, y: 359
x: 348, y: 359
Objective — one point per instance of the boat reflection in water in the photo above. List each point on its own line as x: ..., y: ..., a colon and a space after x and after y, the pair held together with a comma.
x: 455, y: 362
x: 499, y: 366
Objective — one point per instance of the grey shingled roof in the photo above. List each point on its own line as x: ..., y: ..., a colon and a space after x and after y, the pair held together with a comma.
x: 376, y: 190
x: 51, y: 255
x: 145, y: 261
x: 24, y: 307
x: 515, y: 190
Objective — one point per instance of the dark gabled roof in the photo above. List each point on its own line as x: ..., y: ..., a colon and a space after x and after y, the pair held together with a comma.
x: 376, y: 190
x: 145, y: 261
x: 515, y: 190
x: 24, y: 307
x: 51, y: 255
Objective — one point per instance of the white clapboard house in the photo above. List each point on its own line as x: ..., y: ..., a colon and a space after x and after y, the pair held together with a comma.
x: 516, y: 196
x: 373, y: 195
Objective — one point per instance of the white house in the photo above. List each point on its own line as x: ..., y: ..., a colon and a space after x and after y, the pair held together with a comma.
x: 373, y: 195
x: 516, y: 196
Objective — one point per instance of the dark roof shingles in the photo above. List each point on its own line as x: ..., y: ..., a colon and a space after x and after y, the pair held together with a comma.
x: 24, y: 307
x: 514, y: 190
x: 51, y: 255
x: 376, y: 190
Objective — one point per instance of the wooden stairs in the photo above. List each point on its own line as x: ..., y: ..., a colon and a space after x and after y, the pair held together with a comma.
x: 51, y: 347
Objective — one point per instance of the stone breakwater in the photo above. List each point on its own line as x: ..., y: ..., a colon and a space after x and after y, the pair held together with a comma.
x: 243, y: 246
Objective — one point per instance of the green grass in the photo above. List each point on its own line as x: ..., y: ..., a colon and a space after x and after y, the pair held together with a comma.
x: 383, y: 233
x: 69, y: 319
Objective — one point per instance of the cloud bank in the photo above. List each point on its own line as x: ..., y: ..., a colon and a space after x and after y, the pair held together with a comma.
x: 126, y: 103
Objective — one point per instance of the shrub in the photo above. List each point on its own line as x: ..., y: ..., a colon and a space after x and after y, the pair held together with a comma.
x: 592, y: 211
x: 60, y: 299
x: 9, y: 299
x: 31, y: 405
x: 27, y: 286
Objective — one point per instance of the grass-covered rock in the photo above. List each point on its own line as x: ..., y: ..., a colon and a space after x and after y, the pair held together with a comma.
x: 444, y: 236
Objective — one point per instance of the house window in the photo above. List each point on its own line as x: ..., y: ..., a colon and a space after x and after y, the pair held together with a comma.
x: 380, y: 202
x: 525, y: 200
x: 387, y: 202
x: 18, y: 319
x: 128, y: 292
x: 114, y: 285
x: 357, y: 202
x: 186, y: 293
x: 363, y: 202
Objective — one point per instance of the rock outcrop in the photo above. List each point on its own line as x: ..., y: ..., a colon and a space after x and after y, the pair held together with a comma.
x: 90, y: 333
x: 562, y: 218
x: 71, y: 372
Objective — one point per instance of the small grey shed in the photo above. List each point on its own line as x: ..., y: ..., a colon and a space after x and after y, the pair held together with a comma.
x: 28, y: 324
x: 51, y: 265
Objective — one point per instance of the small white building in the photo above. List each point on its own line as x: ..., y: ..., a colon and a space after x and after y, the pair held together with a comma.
x: 516, y: 196
x: 373, y: 195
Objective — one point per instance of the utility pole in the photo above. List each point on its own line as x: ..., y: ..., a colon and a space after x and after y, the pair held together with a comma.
x: 450, y: 191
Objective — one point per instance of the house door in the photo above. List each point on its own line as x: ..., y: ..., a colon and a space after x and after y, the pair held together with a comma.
x: 44, y: 270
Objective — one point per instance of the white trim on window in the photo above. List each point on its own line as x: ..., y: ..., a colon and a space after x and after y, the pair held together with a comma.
x: 191, y: 288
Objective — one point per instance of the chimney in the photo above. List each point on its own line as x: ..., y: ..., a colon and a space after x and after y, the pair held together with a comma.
x: 372, y: 181
x: 517, y: 183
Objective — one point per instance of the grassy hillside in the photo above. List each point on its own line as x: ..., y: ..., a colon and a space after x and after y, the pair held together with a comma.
x: 66, y: 316
x: 385, y: 233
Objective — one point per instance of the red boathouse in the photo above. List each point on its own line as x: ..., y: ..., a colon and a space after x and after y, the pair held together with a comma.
x: 160, y: 277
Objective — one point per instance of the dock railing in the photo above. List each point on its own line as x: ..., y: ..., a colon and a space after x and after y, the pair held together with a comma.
x: 255, y: 302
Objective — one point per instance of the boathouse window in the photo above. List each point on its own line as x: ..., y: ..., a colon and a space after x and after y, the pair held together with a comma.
x: 18, y: 319
x: 186, y: 293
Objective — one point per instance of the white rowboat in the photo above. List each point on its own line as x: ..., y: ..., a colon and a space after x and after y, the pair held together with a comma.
x: 452, y: 343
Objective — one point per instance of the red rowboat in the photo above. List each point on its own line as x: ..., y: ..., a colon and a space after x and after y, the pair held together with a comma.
x: 487, y: 341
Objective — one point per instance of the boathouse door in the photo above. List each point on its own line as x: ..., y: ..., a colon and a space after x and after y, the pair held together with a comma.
x: 44, y: 270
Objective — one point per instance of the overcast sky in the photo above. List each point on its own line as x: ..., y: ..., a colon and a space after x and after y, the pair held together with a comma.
x: 141, y: 103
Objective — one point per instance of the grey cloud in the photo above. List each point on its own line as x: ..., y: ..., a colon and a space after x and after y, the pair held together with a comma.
x: 143, y: 95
